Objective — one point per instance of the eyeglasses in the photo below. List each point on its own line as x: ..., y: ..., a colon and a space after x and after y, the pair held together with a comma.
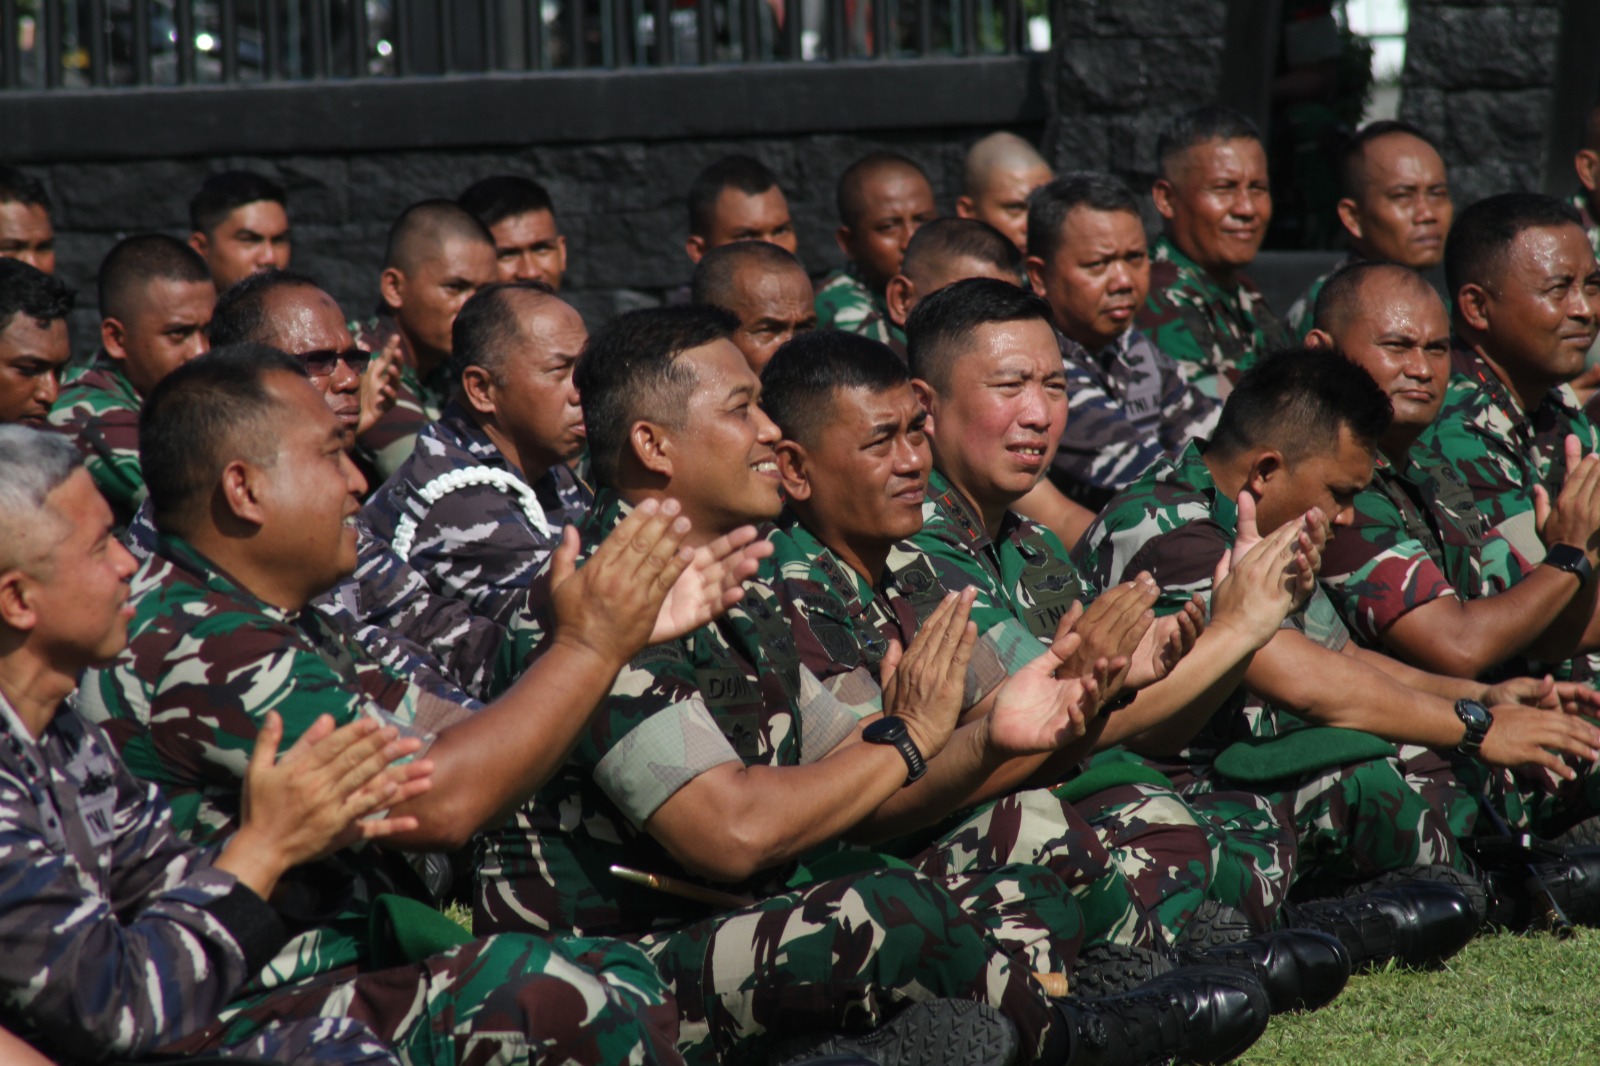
x: 323, y: 362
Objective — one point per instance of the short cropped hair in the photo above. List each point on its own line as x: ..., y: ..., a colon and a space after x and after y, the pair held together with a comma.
x: 20, y: 187
x: 713, y: 280
x: 847, y: 195
x: 504, y: 196
x: 1355, y: 147
x: 1051, y: 203
x: 487, y: 327
x: 798, y: 384
x: 946, y: 239
x: 1340, y: 296
x: 29, y: 291
x: 1201, y: 125
x: 745, y: 173
x: 629, y: 371
x: 424, y: 226
x: 33, y: 464
x: 240, y: 316
x: 1297, y: 401
x: 1480, y: 236
x: 223, y: 194
x: 204, y: 415
x: 143, y: 258
x: 940, y: 328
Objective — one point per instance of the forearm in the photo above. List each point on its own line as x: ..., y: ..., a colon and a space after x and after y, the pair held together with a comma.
x: 490, y: 763
x: 1449, y: 688
x: 255, y: 861
x: 1166, y: 716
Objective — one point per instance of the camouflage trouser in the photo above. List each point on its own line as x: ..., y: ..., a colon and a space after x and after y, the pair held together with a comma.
x: 313, y: 1042
x: 1351, y: 822
x: 1531, y: 801
x: 1037, y: 827
x: 509, y: 999
x: 848, y: 953
x: 1179, y: 851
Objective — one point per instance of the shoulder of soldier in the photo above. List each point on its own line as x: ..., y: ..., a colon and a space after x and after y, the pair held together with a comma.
x: 841, y: 292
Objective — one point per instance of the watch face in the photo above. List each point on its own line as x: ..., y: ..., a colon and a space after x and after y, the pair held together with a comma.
x: 885, y: 730
x: 1474, y: 713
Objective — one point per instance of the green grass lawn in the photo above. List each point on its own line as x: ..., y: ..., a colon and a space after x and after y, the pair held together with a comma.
x: 1504, y: 1001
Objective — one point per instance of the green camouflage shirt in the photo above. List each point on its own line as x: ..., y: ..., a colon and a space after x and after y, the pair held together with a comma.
x: 99, y: 409
x: 732, y: 691
x: 1211, y: 331
x: 845, y: 303
x: 1416, y: 536
x: 1580, y: 200
x: 1175, y: 523
x: 206, y: 660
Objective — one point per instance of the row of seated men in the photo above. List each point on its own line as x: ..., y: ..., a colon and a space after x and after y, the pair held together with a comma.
x: 878, y: 786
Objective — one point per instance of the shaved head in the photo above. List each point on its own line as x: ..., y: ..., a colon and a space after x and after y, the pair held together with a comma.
x: 856, y: 182
x: 998, y: 153
x: 1353, y: 292
x: 423, y: 229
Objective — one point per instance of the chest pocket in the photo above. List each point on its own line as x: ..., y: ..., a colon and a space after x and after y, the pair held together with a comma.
x: 1462, y: 527
x: 1046, y: 587
x: 1141, y: 399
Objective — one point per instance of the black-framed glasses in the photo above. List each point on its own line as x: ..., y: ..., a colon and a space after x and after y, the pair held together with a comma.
x: 321, y: 363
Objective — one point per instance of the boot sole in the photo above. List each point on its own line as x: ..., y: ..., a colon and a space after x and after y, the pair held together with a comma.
x: 944, y: 1032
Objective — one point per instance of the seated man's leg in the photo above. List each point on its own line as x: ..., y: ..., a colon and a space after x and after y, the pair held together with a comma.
x: 1027, y: 910
x: 847, y: 954
x: 511, y: 999
x: 313, y: 1041
x: 1253, y: 853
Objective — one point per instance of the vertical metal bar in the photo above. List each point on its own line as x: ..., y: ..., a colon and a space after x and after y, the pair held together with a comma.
x: 750, y: 29
x: 402, y: 38
x: 447, y: 37
x: 661, y: 15
x: 969, y: 28
x: 488, y: 39
x: 1014, y: 25
x: 533, y: 31
x: 183, y: 12
x: 575, y: 33
x: 924, y: 27
x: 51, y: 53
x: 602, y: 25
x: 793, y: 25
x: 321, y: 46
x: 838, y: 31
x: 705, y: 29
x: 358, y: 38
x: 10, y: 47
x: 228, y: 32
x: 622, y: 22
x: 141, y: 42
x: 882, y: 46
x: 98, y: 73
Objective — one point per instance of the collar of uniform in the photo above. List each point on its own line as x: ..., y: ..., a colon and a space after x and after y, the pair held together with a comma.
x: 11, y: 725
x: 851, y: 588
x: 609, y: 509
x: 958, y: 509
x: 1189, y: 471
x: 1194, y: 274
x: 1118, y: 350
x: 186, y: 558
x: 1580, y: 200
x: 1466, y: 362
x: 458, y: 427
x: 105, y: 374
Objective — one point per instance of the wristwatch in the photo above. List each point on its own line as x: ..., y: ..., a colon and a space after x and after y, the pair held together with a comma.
x: 891, y: 729
x: 1572, y: 560
x: 1476, y: 717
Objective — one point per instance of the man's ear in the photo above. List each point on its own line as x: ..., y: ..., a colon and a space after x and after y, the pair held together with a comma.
x: 1350, y: 216
x: 926, y: 397
x: 1472, y: 304
x: 792, y: 470
x: 1319, y: 338
x: 113, y: 338
x: 1163, y: 193
x: 899, y: 296
x: 16, y: 601
x: 477, y: 386
x: 1034, y: 266
x: 392, y: 287
x: 239, y: 492
x: 845, y: 237
x: 695, y: 247
x: 652, y: 447
x: 965, y: 208
x: 198, y: 242
x: 1263, y: 468
x: 1587, y: 164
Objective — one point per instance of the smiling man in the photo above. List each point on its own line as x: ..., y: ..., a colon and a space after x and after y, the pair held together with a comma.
x: 484, y: 498
x: 1396, y: 206
x: 33, y: 342
x: 883, y: 199
x: 239, y: 222
x: 528, y: 244
x: 156, y: 299
x: 1215, y: 203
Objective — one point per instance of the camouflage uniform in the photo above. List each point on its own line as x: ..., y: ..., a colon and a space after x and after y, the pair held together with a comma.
x: 99, y: 409
x: 812, y: 954
x: 1353, y: 820
x: 418, y: 401
x: 465, y: 518
x: 1417, y: 537
x: 205, y: 662
x: 1210, y: 331
x: 116, y: 937
x: 1127, y: 405
x: 844, y: 302
x: 1175, y: 852
x: 1501, y: 452
x: 1302, y: 313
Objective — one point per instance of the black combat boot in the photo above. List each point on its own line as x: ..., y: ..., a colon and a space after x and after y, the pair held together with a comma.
x: 1419, y: 924
x: 939, y: 1032
x: 1199, y: 1014
x: 1301, y: 969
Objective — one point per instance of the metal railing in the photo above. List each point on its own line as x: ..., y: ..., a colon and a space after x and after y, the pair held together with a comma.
x: 93, y: 44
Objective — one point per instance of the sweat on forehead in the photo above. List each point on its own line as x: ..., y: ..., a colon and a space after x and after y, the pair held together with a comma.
x: 1361, y: 288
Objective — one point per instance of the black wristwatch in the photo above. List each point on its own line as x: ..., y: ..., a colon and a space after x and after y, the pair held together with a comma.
x: 1572, y: 560
x: 891, y: 729
x: 1476, y: 717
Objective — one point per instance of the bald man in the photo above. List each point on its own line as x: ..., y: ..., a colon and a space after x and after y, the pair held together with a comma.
x: 883, y: 199
x: 1001, y: 170
x: 512, y: 424
x: 1395, y: 204
x: 438, y: 255
x: 767, y: 290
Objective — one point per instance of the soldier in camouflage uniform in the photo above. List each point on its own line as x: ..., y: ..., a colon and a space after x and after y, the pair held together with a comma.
x: 1395, y: 208
x: 1202, y: 310
x: 721, y: 761
x: 437, y: 257
x: 1418, y: 560
x: 185, y: 702
x: 765, y: 287
x: 484, y: 497
x: 1087, y: 257
x: 117, y: 937
x: 883, y: 198
x: 155, y: 304
x: 34, y: 348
